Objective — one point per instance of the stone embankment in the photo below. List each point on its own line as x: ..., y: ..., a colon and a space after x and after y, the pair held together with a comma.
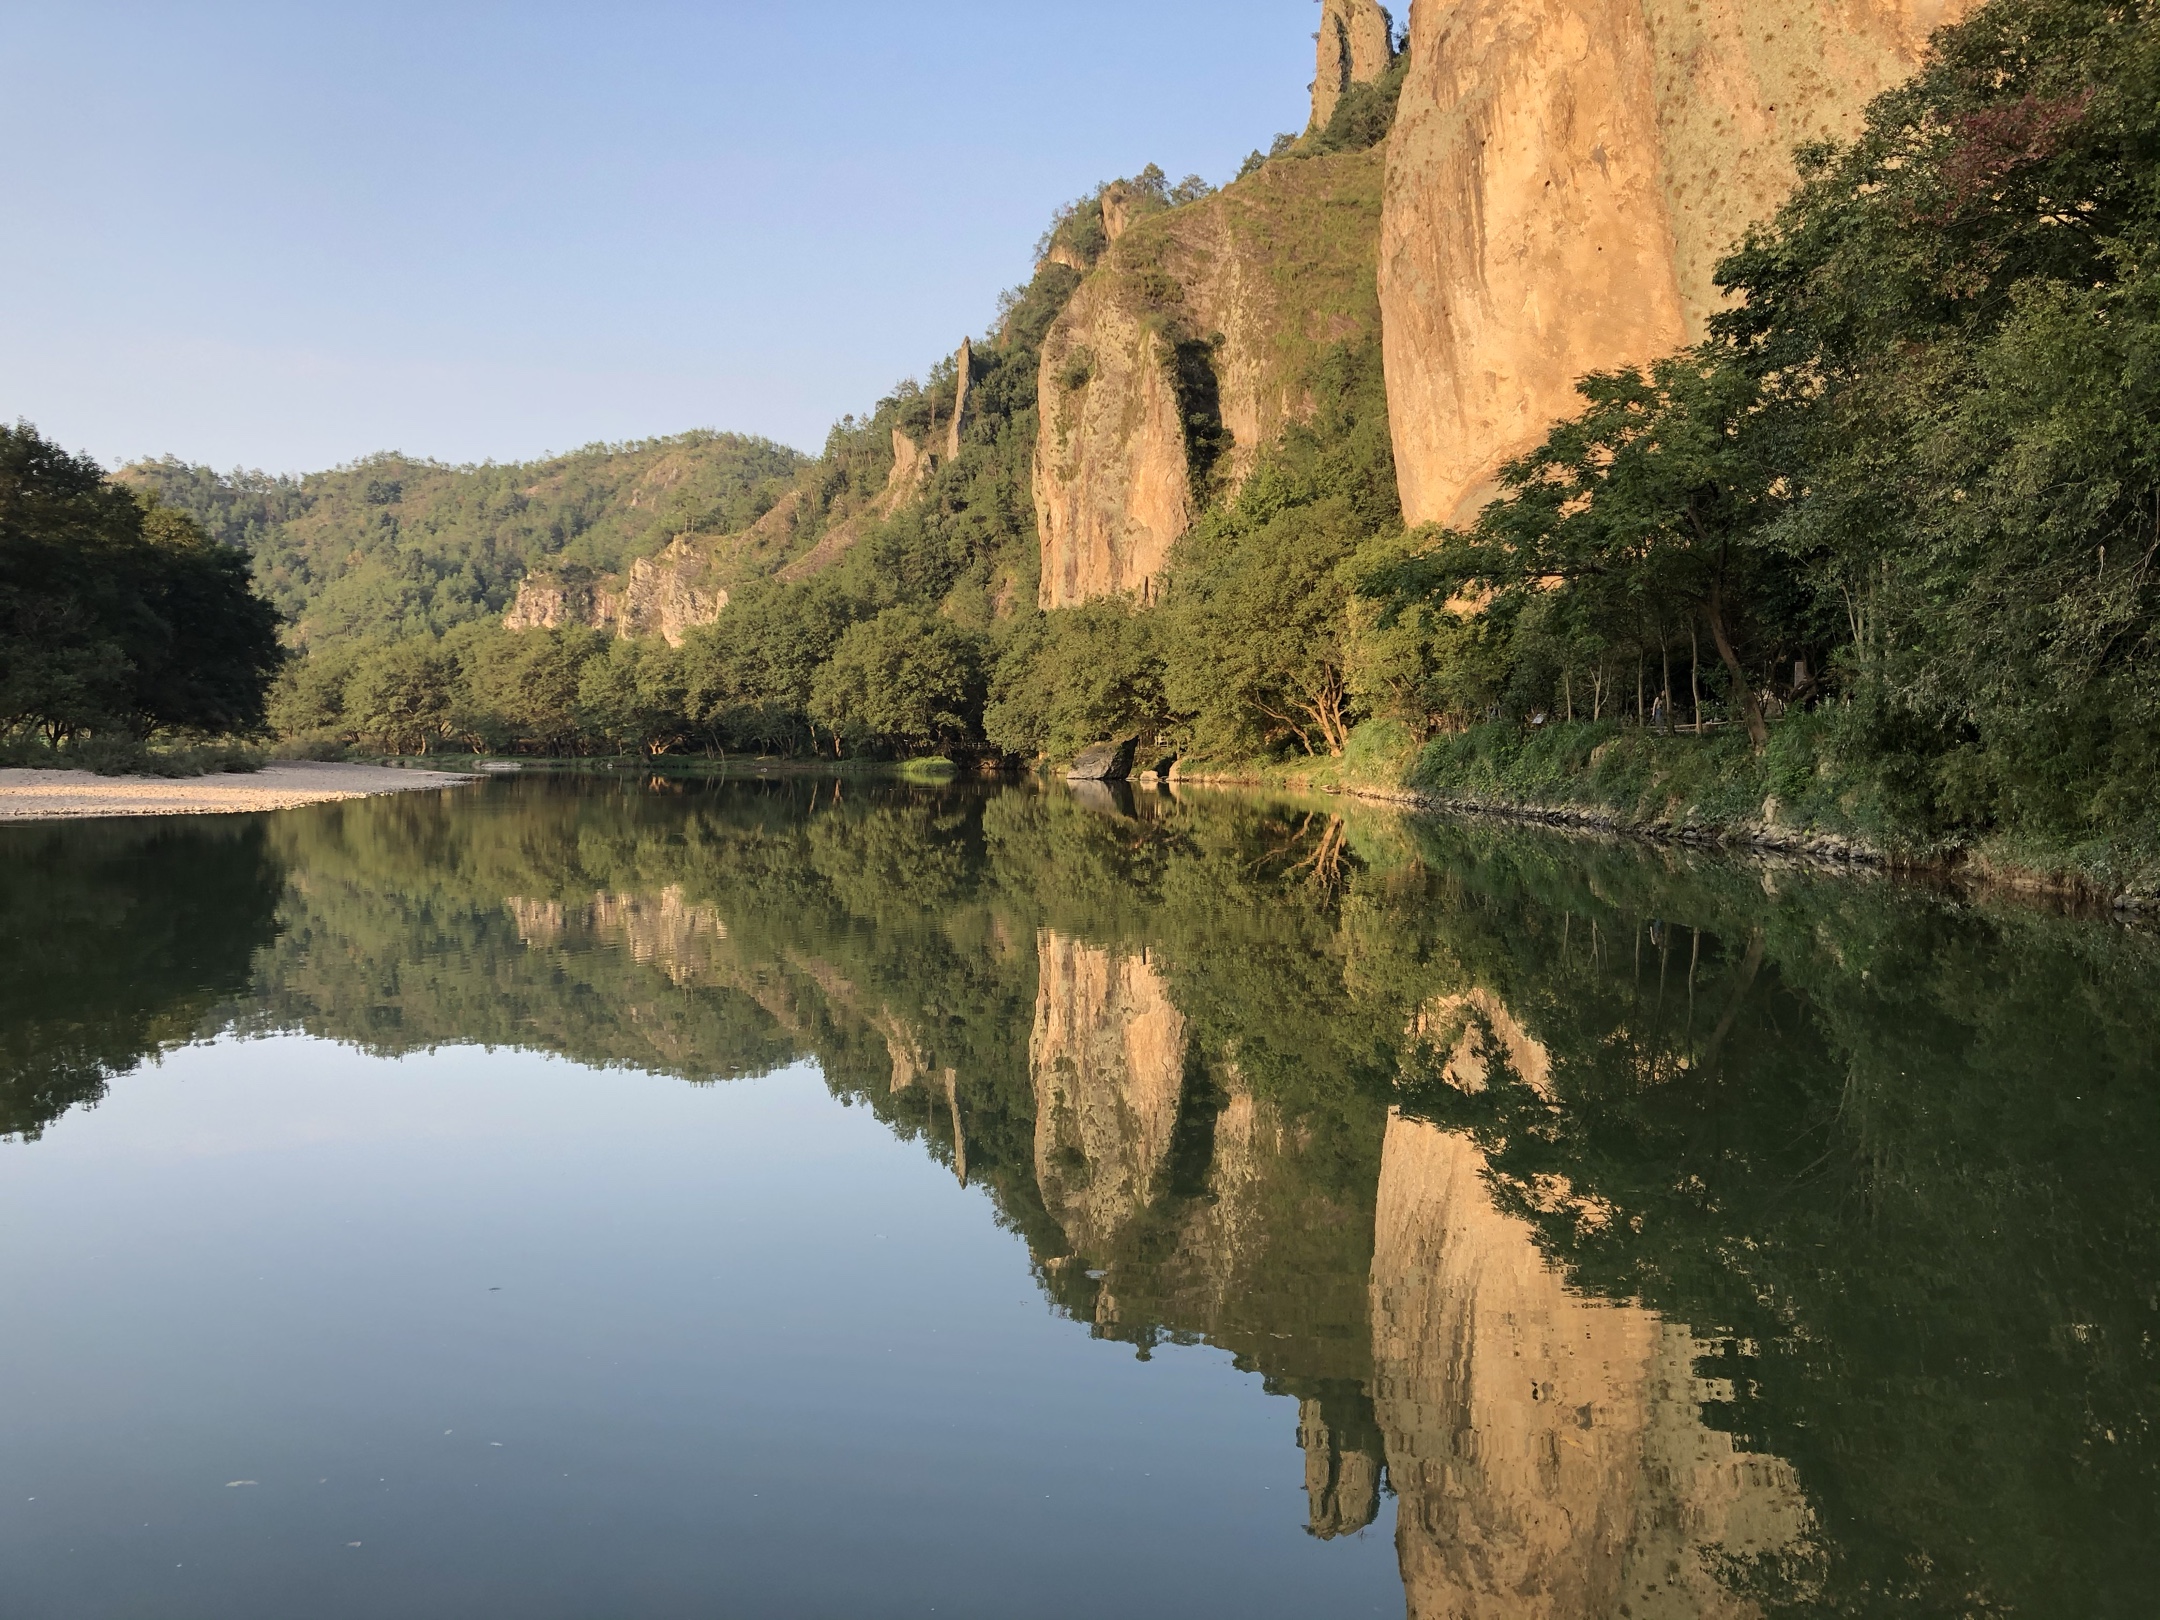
x: 1830, y: 851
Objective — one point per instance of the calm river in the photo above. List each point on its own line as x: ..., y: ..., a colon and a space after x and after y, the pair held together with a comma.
x: 563, y: 1198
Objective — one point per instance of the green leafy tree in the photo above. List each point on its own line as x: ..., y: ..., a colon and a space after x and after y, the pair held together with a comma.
x: 1258, y: 644
x: 632, y: 696
x: 526, y: 686
x: 907, y: 677
x: 117, y: 614
x: 1953, y: 318
x: 1258, y: 638
x: 1654, y: 497
x: 1066, y: 679
x: 402, y: 698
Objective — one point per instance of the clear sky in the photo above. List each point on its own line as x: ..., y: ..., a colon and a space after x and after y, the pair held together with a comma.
x: 286, y: 235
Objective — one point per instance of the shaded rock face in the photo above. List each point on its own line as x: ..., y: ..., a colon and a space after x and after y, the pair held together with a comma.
x: 1184, y: 352
x: 1104, y: 762
x: 1356, y: 46
x: 1562, y: 179
x: 1547, y: 1450
x: 1108, y: 1060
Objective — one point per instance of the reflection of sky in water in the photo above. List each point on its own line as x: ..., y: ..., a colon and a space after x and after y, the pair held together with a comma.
x: 750, y: 1354
x: 1508, y: 1224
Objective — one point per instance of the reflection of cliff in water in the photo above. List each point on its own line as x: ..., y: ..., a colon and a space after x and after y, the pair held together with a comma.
x: 1548, y: 1449
x: 1108, y: 1061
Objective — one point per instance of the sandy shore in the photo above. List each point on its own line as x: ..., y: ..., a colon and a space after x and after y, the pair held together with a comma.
x: 65, y: 795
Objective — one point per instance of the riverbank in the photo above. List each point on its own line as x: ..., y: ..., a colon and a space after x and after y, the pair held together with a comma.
x: 1798, y: 796
x: 31, y: 795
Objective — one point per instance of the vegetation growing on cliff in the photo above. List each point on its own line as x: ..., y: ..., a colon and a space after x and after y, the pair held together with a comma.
x: 397, y: 546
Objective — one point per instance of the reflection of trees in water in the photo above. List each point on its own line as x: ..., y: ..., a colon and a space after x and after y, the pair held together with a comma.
x: 1443, y: 1132
x: 117, y: 938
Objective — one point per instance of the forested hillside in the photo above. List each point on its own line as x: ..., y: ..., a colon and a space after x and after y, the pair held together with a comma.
x: 397, y: 546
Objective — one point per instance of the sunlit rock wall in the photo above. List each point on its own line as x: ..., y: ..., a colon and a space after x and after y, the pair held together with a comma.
x: 1356, y: 44
x: 1255, y: 282
x: 1563, y: 177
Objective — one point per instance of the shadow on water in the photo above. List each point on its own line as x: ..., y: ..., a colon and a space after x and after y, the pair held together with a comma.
x: 1670, y: 1236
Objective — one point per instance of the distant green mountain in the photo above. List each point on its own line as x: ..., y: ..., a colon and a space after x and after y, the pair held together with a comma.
x: 394, y: 546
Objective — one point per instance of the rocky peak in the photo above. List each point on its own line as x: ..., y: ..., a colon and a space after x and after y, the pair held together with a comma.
x: 1119, y: 203
x: 964, y: 382
x: 1357, y: 42
x: 911, y: 464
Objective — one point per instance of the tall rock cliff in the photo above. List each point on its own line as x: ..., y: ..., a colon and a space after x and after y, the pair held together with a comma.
x: 1357, y: 44
x: 1563, y: 177
x: 1187, y: 349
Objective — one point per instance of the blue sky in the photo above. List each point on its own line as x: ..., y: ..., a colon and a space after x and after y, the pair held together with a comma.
x: 286, y: 235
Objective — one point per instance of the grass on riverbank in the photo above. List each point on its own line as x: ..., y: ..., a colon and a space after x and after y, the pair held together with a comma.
x: 1809, y: 785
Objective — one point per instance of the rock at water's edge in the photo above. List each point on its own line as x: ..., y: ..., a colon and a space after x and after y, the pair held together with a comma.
x: 1104, y: 762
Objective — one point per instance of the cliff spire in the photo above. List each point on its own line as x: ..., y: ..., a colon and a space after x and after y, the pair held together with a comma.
x: 963, y: 371
x: 1356, y: 46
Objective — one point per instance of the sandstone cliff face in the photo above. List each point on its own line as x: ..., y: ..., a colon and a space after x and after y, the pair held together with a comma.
x: 1200, y: 319
x: 663, y: 596
x: 1563, y: 177
x: 667, y: 595
x: 1547, y: 1449
x: 1356, y: 46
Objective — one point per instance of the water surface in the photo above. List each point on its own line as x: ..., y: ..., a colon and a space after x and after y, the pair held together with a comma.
x: 570, y: 1198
